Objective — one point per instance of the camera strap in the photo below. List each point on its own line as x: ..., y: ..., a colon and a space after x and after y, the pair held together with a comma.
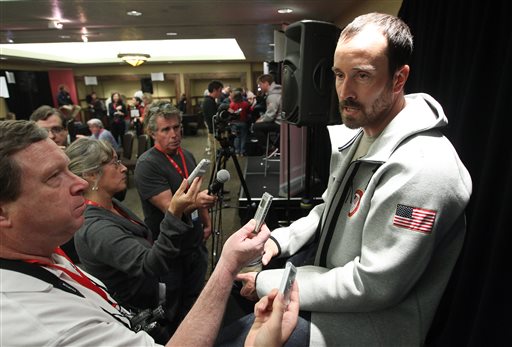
x: 39, y: 272
x: 78, y: 276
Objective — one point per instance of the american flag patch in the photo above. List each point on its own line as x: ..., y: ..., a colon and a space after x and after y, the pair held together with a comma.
x: 414, y: 218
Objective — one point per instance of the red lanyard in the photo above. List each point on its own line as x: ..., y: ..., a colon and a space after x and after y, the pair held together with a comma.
x: 180, y: 152
x: 79, y: 277
x: 121, y: 212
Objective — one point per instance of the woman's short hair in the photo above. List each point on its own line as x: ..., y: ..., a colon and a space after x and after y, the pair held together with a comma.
x: 88, y: 156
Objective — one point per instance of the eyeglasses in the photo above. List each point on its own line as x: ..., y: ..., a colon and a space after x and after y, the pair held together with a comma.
x: 116, y: 162
x: 55, y: 130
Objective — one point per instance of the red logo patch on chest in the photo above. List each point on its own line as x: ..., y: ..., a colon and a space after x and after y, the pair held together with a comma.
x: 358, y: 195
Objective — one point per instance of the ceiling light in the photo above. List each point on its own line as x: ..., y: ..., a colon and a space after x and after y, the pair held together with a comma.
x: 171, y: 34
x: 64, y: 36
x: 285, y: 10
x: 10, y: 40
x: 134, y: 13
x: 55, y: 24
x: 134, y: 59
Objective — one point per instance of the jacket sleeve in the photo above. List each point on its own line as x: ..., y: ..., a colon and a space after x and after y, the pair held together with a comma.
x: 112, y: 245
x: 273, y: 101
x: 292, y: 238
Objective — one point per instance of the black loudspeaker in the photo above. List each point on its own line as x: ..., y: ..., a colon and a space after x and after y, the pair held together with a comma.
x: 146, y: 85
x: 309, y: 95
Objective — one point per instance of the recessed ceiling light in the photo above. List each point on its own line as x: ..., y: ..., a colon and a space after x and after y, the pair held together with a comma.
x: 134, y: 13
x: 171, y: 34
x: 64, y: 36
x: 285, y: 10
x: 271, y: 44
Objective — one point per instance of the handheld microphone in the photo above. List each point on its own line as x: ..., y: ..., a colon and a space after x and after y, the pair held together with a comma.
x: 222, y: 177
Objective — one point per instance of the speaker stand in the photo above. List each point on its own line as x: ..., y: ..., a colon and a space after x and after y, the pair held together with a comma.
x: 306, y: 201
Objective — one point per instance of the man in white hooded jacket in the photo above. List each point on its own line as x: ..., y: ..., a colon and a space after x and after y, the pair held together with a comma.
x: 392, y: 223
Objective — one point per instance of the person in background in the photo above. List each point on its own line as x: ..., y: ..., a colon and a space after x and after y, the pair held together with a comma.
x: 224, y: 96
x: 48, y: 301
x: 269, y: 121
x: 117, y: 113
x: 182, y: 103
x: 97, y: 108
x: 139, y: 94
x: 239, y: 126
x: 392, y: 224
x: 98, y: 132
x: 209, y: 107
x: 65, y: 103
x: 158, y: 175
x: 137, y: 115
x: 251, y: 99
x: 54, y: 122
x: 63, y: 96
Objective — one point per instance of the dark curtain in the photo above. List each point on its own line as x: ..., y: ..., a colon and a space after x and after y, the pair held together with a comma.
x: 463, y: 58
x: 30, y: 90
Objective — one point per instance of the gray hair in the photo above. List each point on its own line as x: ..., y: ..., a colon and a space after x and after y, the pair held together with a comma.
x: 95, y: 122
x: 162, y: 109
x: 15, y: 135
x: 397, y: 33
x: 88, y: 156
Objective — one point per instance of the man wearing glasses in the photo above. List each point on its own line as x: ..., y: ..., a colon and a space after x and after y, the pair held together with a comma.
x: 53, y: 121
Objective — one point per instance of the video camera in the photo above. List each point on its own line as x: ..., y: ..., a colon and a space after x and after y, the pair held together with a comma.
x: 222, y: 121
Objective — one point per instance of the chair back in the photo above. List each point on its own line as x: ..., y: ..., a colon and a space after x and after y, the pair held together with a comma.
x: 128, y: 144
x: 143, y: 144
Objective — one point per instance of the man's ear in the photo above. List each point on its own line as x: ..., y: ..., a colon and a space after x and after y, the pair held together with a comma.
x: 5, y: 221
x: 400, y: 77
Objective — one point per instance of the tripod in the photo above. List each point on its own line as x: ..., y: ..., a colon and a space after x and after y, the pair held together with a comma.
x: 223, y: 154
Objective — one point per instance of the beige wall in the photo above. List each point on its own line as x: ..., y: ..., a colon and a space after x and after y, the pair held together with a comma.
x: 3, y: 108
x: 126, y: 79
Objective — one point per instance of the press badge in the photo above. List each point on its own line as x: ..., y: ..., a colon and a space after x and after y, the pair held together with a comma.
x: 195, y: 215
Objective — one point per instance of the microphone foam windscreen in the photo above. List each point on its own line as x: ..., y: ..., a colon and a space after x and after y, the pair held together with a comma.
x: 223, y: 176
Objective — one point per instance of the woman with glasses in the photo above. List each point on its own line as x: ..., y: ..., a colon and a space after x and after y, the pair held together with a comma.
x: 115, y: 245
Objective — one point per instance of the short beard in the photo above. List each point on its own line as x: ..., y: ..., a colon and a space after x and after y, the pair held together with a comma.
x: 375, y: 113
